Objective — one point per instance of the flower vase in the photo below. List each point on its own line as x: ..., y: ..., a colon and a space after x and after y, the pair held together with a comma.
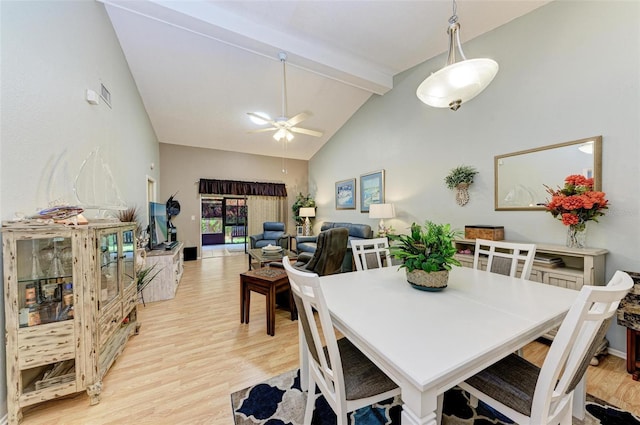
x: 577, y: 235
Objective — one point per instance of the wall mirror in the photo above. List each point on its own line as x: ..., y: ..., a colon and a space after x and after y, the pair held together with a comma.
x: 520, y: 176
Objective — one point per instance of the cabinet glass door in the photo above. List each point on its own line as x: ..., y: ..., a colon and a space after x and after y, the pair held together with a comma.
x: 45, y: 280
x: 128, y: 258
x: 109, y: 268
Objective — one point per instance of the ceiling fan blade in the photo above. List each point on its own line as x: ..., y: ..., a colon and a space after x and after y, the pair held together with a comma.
x: 298, y: 118
x: 261, y: 118
x: 306, y: 131
x: 262, y: 130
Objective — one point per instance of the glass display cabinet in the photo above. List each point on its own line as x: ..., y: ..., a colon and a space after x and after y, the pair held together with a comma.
x: 69, y: 309
x: 117, y: 297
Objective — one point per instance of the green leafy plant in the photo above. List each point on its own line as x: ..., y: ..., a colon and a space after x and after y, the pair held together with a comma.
x: 145, y: 276
x: 461, y: 174
x: 301, y: 202
x: 429, y: 248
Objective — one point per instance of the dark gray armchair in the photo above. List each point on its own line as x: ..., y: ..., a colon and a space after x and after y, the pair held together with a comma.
x: 329, y: 255
x: 273, y: 234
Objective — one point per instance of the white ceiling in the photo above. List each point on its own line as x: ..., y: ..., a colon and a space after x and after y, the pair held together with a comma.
x: 201, y: 65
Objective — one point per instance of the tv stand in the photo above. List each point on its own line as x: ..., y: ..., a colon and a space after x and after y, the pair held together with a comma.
x: 169, y: 264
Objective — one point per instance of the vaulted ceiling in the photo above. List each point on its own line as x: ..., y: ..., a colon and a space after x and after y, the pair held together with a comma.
x: 201, y: 65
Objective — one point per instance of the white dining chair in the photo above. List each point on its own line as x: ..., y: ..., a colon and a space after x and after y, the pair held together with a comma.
x: 531, y: 395
x: 370, y: 253
x: 346, y: 377
x: 504, y: 257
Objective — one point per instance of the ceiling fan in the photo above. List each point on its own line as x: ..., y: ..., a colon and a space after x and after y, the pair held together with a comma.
x: 283, y: 126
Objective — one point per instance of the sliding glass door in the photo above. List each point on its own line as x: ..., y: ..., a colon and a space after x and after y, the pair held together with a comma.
x: 224, y: 220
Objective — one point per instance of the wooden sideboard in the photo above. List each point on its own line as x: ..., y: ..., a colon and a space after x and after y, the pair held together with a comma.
x: 584, y: 266
x: 170, y: 265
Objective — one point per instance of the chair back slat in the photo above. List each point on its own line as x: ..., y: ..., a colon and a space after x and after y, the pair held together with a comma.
x: 504, y: 257
x: 326, y: 363
x: 575, y: 343
x: 370, y: 253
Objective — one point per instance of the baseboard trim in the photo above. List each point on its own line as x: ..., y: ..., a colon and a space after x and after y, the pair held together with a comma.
x: 617, y: 353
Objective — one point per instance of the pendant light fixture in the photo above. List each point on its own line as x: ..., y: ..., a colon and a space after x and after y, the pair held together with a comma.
x: 457, y: 82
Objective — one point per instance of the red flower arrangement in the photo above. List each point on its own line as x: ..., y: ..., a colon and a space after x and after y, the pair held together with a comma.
x: 577, y: 202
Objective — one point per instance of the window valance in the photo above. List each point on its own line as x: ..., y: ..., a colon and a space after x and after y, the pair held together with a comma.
x: 235, y: 187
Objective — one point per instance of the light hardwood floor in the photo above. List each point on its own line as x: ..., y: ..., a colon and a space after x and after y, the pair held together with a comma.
x: 192, y: 353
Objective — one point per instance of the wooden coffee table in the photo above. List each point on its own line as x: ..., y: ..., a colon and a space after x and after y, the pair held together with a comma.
x: 268, y: 282
x: 257, y: 256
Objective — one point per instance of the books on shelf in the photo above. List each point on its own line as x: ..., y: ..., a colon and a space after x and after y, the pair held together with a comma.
x: 548, y: 261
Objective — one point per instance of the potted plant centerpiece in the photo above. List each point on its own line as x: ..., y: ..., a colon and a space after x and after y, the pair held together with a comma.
x: 460, y: 178
x: 427, y: 254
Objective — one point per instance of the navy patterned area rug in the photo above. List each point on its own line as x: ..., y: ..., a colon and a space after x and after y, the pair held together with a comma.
x: 279, y: 401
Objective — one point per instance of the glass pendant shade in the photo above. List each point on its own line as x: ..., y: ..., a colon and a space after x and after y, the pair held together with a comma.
x: 457, y: 82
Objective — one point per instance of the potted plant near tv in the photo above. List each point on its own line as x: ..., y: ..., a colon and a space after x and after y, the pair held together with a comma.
x: 427, y: 254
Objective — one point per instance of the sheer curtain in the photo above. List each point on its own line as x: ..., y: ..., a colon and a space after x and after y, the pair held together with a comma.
x: 265, y: 208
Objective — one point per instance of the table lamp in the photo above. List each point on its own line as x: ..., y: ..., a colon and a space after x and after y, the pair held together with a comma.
x: 307, y: 212
x: 382, y: 211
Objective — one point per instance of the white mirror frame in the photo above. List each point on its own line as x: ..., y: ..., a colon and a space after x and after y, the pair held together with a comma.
x: 520, y: 176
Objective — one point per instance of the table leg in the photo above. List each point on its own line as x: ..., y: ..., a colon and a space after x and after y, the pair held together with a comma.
x: 419, y: 408
x: 271, y: 310
x: 247, y: 303
x: 292, y: 306
x: 632, y: 353
x: 242, y: 285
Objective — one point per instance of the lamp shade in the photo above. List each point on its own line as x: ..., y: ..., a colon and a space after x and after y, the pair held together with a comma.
x: 307, y: 212
x: 457, y: 83
x: 381, y: 211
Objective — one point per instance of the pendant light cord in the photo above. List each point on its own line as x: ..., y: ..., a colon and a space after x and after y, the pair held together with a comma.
x: 283, y: 59
x: 454, y: 17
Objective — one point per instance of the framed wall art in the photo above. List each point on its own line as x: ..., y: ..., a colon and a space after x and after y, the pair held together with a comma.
x: 371, y: 189
x: 346, y: 194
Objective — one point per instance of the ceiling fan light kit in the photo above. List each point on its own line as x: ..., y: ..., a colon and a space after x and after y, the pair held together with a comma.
x: 283, y: 126
x: 457, y: 82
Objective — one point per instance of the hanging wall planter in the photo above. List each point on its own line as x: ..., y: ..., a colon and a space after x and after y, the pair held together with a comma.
x: 459, y: 179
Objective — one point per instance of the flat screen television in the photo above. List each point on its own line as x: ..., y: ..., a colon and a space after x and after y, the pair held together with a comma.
x: 158, y: 231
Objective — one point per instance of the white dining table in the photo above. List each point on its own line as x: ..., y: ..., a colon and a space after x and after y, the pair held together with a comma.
x: 428, y: 342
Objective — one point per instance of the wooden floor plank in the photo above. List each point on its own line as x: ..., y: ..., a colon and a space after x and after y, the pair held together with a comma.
x: 192, y: 353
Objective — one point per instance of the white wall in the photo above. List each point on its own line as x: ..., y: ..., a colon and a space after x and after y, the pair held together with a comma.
x: 568, y: 70
x: 52, y: 52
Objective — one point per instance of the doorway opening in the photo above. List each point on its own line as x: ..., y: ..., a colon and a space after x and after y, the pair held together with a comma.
x: 223, y: 221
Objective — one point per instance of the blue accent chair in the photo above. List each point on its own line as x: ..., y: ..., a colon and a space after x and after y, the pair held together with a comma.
x: 273, y: 234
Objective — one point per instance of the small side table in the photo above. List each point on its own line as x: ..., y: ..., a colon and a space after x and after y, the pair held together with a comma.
x: 292, y: 243
x: 633, y: 353
x: 628, y: 315
x: 269, y: 282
